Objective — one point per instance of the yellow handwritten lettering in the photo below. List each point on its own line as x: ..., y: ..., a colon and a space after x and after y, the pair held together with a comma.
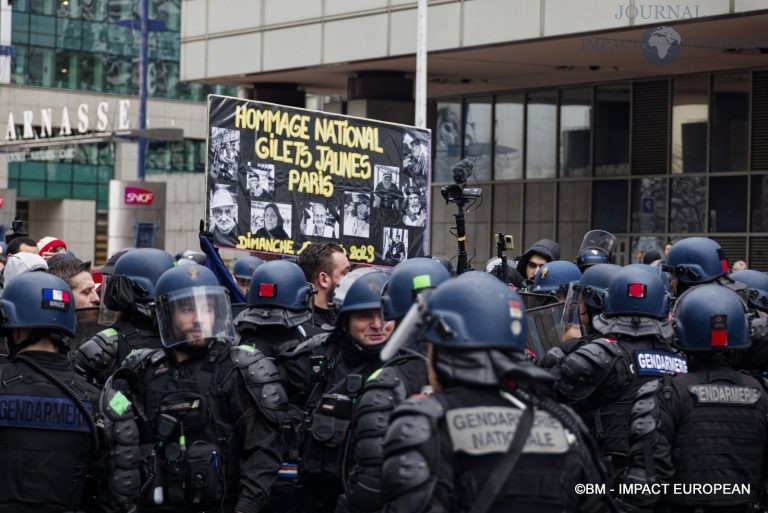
x: 339, y: 131
x: 310, y: 182
x: 264, y: 244
x: 343, y: 163
x: 279, y: 122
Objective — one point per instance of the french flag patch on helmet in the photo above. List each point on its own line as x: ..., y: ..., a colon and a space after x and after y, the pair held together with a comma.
x: 55, y: 299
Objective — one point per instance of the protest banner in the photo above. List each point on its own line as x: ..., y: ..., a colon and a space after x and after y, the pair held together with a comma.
x: 280, y: 178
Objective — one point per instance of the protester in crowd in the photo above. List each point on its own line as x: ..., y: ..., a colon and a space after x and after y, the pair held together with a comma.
x: 538, y: 254
x: 49, y: 246
x: 78, y: 276
x: 324, y: 266
x: 22, y: 244
x: 23, y: 262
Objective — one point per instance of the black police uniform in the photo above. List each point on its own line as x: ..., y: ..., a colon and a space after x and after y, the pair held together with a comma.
x: 402, y: 377
x: 47, y: 443
x: 441, y: 450
x: 98, y: 357
x: 322, y: 321
x: 209, y: 429
x: 272, y: 340
x: 708, y: 427
x: 324, y: 376
x: 600, y: 379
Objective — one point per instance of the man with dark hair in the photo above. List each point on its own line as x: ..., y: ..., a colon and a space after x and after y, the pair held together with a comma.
x: 324, y: 266
x: 77, y: 274
x: 19, y: 244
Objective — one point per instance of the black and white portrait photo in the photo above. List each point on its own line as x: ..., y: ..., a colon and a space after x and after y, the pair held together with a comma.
x: 223, y: 215
x: 261, y: 180
x: 415, y: 208
x: 386, y: 193
x: 357, y: 214
x: 271, y: 220
x: 416, y: 154
x: 395, y: 245
x: 320, y: 220
x: 225, y: 146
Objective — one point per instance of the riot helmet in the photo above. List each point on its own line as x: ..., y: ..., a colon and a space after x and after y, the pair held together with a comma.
x: 555, y: 278
x: 341, y: 290
x: 758, y: 287
x: 711, y: 318
x: 445, y: 263
x: 279, y: 284
x: 364, y: 293
x: 192, y: 307
x: 475, y: 311
x: 243, y: 270
x: 360, y: 316
x: 134, y: 277
x: 39, y: 301
x: 245, y: 267
x: 636, y: 304
x: 596, y: 248
x: 478, y: 328
x: 695, y: 261
x: 585, y: 299
x: 408, y: 278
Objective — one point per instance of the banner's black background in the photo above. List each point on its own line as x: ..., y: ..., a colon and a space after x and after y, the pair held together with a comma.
x: 232, y: 158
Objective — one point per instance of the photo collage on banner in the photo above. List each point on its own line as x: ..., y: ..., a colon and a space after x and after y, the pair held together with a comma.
x: 280, y: 178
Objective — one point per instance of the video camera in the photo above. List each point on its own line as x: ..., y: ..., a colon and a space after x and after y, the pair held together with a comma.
x: 458, y: 192
x: 16, y: 231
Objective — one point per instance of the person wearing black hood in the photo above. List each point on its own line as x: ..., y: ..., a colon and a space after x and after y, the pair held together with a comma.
x: 329, y: 371
x: 538, y: 254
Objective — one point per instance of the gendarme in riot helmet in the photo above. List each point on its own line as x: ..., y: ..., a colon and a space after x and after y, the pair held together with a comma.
x: 408, y: 279
x: 192, y: 308
x: 696, y: 260
x: 133, y: 280
x: 38, y: 300
x: 279, y: 284
x: 636, y: 304
x: 711, y: 318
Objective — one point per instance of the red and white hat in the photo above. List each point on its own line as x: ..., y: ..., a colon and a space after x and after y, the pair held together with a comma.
x: 49, y: 244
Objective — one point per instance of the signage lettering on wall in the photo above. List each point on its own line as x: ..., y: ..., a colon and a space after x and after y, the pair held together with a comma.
x: 138, y: 196
x: 82, y: 121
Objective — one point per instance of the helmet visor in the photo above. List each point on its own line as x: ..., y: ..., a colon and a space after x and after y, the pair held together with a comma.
x: 194, y: 316
x: 107, y: 317
x: 575, y: 317
x: 598, y: 242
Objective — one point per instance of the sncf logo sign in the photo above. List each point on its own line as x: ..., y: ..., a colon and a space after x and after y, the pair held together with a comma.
x: 138, y: 196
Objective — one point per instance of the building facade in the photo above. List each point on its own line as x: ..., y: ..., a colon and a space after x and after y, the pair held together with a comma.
x: 69, y: 72
x: 646, y: 119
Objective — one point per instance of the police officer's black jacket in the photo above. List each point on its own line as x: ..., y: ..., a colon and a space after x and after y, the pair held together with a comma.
x: 321, y: 321
x: 441, y: 450
x: 270, y: 340
x: 98, y: 357
x: 46, y: 443
x: 324, y: 376
x: 600, y: 378
x: 706, y: 427
x: 400, y: 378
x: 228, y: 407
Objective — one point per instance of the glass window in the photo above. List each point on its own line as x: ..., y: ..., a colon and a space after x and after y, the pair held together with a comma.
x: 539, y: 212
x: 649, y: 205
x: 41, y: 6
x: 690, y: 114
x: 728, y: 204
x: 58, y: 190
x: 759, y: 203
x: 541, y: 135
x: 68, y: 33
x: 20, y: 28
x: 575, y: 132
x: 447, y: 139
x: 477, y: 136
x: 41, y: 68
x: 687, y: 204
x: 508, y: 146
x: 42, y: 31
x: 610, y: 207
x: 94, y: 36
x: 730, y: 122
x: 612, y: 130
